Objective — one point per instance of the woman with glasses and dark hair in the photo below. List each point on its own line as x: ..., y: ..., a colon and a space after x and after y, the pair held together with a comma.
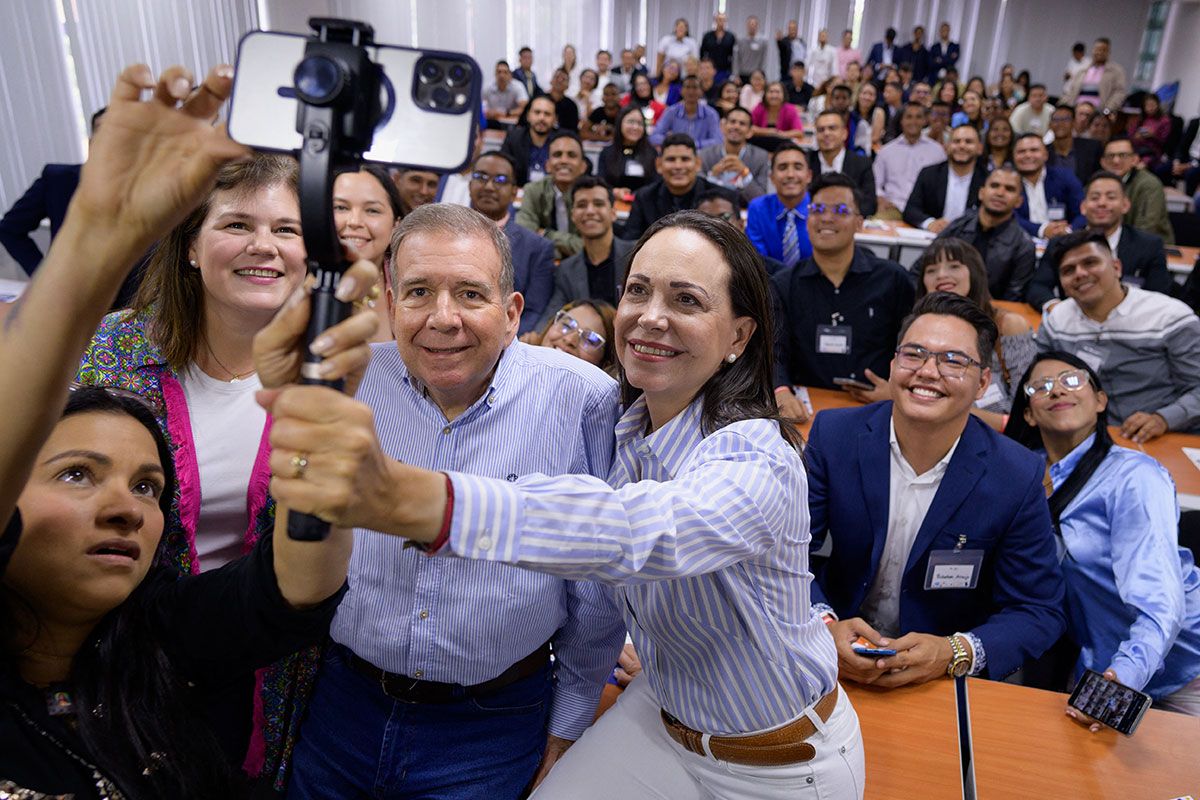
x: 952, y: 265
x: 628, y: 163
x: 702, y: 530
x: 583, y: 328
x: 116, y: 673
x: 1133, y: 594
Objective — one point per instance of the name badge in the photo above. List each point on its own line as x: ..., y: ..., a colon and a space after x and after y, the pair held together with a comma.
x: 1092, y: 354
x: 634, y: 169
x: 953, y: 569
x: 1056, y: 211
x: 991, y: 395
x: 536, y: 174
x: 833, y: 339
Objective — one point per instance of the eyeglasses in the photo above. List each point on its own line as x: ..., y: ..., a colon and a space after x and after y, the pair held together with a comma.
x: 1072, y: 380
x: 115, y: 392
x: 840, y: 210
x: 950, y: 363
x: 588, y: 339
x: 728, y: 216
x: 483, y: 177
x: 1120, y: 156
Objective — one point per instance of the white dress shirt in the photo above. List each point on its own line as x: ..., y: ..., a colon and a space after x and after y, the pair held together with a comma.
x: 838, y: 161
x: 958, y: 187
x: 1039, y: 212
x: 822, y: 64
x: 1114, y: 239
x: 909, y: 498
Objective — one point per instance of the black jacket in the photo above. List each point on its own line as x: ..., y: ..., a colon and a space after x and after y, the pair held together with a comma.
x: 1009, y: 254
x: 858, y: 169
x: 655, y: 201
x: 1087, y: 158
x: 517, y: 144
x: 1143, y: 263
x: 1185, y: 142
x: 571, y: 278
x: 928, y: 197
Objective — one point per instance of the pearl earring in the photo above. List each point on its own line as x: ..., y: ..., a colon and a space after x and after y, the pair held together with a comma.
x: 193, y: 263
x: 732, y: 357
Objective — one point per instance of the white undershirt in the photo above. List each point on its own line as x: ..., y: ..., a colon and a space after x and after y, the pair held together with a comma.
x: 909, y: 498
x: 1114, y: 241
x: 957, y: 189
x: 840, y: 160
x: 1039, y: 211
x: 227, y: 427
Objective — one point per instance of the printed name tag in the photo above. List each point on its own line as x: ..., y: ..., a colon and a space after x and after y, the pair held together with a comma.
x: 833, y: 339
x: 991, y: 395
x: 634, y: 169
x: 1056, y: 211
x: 953, y: 569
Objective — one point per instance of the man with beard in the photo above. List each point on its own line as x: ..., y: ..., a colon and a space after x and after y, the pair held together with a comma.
x: 945, y: 191
x: 527, y: 146
x: 734, y: 163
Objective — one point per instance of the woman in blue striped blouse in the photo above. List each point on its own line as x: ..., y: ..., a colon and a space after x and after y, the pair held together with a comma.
x: 1133, y: 595
x: 703, y: 529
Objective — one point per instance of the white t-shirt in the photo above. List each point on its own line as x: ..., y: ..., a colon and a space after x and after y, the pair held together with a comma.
x: 227, y: 426
x: 677, y: 50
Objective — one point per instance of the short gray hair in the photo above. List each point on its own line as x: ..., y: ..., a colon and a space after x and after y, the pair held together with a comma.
x: 456, y: 221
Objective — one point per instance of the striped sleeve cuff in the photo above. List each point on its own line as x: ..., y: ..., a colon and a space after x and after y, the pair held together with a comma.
x: 979, y: 659
x: 571, y: 714
x: 821, y: 609
x: 486, y: 518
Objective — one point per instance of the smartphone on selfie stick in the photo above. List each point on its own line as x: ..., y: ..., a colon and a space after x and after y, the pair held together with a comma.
x: 334, y: 99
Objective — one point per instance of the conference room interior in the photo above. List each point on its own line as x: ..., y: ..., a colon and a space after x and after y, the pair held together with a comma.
x: 59, y: 60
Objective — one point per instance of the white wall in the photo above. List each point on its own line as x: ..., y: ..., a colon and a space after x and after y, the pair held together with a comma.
x: 1177, y: 60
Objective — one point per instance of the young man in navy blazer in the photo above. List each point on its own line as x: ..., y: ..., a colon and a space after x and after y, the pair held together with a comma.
x: 942, y: 547
x: 1051, y: 194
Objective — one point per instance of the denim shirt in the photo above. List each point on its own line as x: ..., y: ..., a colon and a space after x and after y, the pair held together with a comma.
x: 1133, y: 595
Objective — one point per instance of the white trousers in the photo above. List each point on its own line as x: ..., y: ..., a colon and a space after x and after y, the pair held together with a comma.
x: 1182, y: 701
x: 628, y: 754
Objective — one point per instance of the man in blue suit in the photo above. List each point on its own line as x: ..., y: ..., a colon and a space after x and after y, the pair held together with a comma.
x: 777, y: 224
x: 1051, y: 195
x: 942, y: 546
x: 883, y: 52
x: 47, y: 198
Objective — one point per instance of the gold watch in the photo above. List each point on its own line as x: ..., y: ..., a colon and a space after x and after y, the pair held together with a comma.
x: 960, y: 662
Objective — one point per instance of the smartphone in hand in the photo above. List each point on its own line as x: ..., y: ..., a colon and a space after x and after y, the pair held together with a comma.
x: 1110, y: 703
x: 865, y: 647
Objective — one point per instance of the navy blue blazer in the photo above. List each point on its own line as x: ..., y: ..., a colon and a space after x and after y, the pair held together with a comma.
x: 533, y: 270
x: 992, y: 493
x: 48, y: 197
x: 1061, y: 185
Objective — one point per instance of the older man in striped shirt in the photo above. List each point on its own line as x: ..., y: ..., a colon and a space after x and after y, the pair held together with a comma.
x: 440, y: 683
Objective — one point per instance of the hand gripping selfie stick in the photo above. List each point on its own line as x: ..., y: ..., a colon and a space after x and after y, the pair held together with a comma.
x: 338, y: 89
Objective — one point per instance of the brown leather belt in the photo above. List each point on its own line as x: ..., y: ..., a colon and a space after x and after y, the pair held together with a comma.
x: 414, y: 690
x: 774, y: 748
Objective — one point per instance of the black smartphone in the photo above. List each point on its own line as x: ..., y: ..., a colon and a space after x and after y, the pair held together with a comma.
x: 1109, y: 703
x: 430, y: 101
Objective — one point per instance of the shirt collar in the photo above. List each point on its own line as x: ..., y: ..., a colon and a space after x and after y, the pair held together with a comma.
x: 933, y: 473
x: 671, y: 444
x: 502, y: 376
x: 801, y: 208
x: 1115, y: 239
x: 1060, y: 471
x: 808, y: 267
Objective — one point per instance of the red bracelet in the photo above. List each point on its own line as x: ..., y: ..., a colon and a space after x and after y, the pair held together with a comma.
x: 444, y: 534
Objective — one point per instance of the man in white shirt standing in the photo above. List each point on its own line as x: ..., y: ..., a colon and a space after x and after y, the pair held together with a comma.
x: 1078, y: 63
x: 822, y: 61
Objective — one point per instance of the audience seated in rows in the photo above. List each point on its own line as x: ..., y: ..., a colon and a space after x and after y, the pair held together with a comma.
x: 598, y: 269
x: 832, y: 155
x: 1050, y: 196
x: 945, y: 191
x: 734, y: 163
x: 1142, y: 256
x: 493, y: 188
x: 1145, y: 346
x: 895, y: 492
x: 1132, y: 593
x: 775, y: 223
x: 546, y: 204
x: 992, y: 229
x: 838, y: 311
x: 900, y: 161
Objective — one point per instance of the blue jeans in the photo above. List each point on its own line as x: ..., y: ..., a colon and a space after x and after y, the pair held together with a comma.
x: 357, y: 742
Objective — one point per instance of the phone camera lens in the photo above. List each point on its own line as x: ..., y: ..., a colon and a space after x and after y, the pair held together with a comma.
x: 442, y: 98
x: 318, y: 80
x: 431, y: 72
x: 458, y: 74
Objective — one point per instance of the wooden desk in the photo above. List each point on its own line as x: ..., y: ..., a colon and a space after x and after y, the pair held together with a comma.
x: 1023, y: 309
x: 1182, y: 264
x: 1177, y: 200
x: 1025, y: 747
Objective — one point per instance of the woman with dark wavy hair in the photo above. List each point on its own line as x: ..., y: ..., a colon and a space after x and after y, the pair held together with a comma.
x: 702, y: 530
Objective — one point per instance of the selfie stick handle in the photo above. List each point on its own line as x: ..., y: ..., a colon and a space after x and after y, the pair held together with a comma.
x: 324, y: 147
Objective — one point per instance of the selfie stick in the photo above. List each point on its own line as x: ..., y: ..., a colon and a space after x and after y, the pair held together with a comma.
x: 338, y: 88
x: 966, y: 750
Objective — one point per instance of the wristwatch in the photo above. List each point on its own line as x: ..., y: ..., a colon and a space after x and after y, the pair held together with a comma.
x: 960, y: 663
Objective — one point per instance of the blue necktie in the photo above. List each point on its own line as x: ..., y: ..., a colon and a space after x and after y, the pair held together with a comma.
x: 791, y: 241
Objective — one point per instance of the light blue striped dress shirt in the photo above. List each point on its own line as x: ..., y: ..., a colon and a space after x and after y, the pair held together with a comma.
x: 464, y: 621
x: 707, y: 539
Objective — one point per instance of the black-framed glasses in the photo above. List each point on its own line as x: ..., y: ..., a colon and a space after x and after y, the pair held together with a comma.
x: 1072, y: 380
x: 950, y: 363
x: 588, y: 338
x: 483, y: 177
x: 728, y: 216
x: 116, y: 392
x: 839, y: 210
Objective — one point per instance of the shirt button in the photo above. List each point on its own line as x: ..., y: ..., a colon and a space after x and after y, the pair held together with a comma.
x: 446, y: 429
x: 511, y: 477
x: 424, y: 614
x: 419, y: 673
x: 485, y: 543
x: 491, y: 400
